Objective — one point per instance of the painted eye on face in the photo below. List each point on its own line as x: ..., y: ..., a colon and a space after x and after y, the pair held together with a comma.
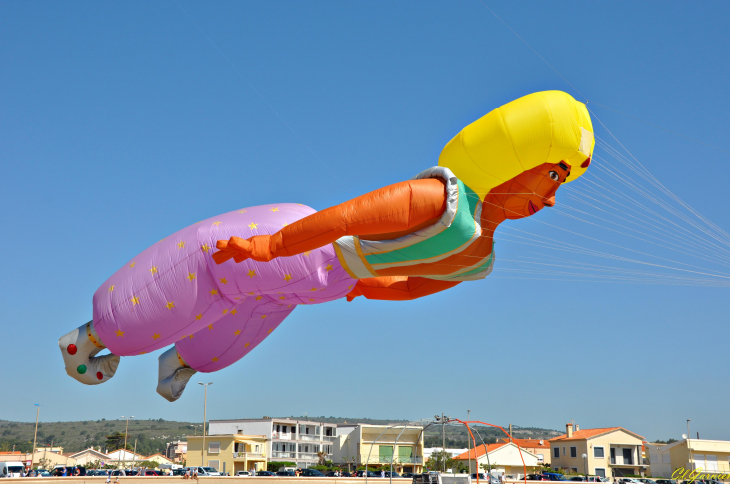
x: 554, y: 175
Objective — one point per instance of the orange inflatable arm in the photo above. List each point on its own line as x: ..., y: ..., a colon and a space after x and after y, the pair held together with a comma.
x: 397, y: 288
x: 393, y: 209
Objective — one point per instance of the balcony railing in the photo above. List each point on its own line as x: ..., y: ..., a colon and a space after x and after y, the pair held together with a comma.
x: 329, y: 438
x: 287, y: 455
x: 309, y: 438
x: 396, y: 460
x: 282, y: 436
x: 248, y: 455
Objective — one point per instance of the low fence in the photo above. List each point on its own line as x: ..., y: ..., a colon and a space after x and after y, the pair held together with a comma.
x: 201, y: 480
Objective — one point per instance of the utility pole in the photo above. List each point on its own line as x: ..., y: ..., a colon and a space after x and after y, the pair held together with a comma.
x: 37, y: 412
x: 205, y: 409
x: 126, y: 431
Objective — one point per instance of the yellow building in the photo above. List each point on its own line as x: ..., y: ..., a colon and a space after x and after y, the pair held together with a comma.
x: 228, y: 453
x: 609, y: 452
x: 378, y: 445
x: 705, y: 456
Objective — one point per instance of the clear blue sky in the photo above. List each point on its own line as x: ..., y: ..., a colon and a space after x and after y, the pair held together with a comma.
x: 121, y: 123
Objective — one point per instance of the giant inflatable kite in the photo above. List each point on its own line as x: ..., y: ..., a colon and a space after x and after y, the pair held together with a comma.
x: 216, y: 289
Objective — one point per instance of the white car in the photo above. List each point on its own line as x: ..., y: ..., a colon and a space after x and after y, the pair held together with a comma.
x: 243, y: 474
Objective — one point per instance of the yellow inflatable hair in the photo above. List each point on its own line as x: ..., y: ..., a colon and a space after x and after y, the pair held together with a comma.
x: 544, y: 127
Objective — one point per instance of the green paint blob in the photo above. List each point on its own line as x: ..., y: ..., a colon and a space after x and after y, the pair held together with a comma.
x: 81, y: 369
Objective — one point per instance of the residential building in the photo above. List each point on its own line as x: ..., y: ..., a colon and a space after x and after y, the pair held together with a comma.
x: 379, y: 445
x: 124, y: 458
x: 450, y: 452
x: 228, y: 453
x: 504, y: 457
x: 176, y: 450
x: 539, y: 447
x: 287, y: 440
x: 51, y: 458
x: 56, y: 449
x: 158, y: 459
x: 709, y: 456
x: 610, y: 452
x: 90, y: 455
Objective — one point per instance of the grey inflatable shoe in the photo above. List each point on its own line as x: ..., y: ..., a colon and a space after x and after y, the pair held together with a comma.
x: 173, y: 375
x: 79, y: 349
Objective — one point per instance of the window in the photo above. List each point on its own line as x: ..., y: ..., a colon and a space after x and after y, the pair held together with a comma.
x: 711, y: 463
x: 574, y: 469
x: 215, y: 464
x: 405, y: 454
x: 563, y: 450
x: 316, y: 430
x: 386, y: 453
x: 628, y: 458
x: 598, y: 453
x: 556, y: 452
x: 278, y: 428
x: 257, y: 449
x: 574, y: 452
x: 600, y: 472
x: 540, y: 458
x: 214, y: 447
x: 613, y: 455
x: 699, y: 461
x: 666, y: 459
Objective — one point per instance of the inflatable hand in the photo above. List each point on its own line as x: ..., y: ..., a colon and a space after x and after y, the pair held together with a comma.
x: 257, y: 248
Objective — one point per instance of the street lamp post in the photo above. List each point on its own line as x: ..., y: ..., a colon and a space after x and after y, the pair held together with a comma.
x: 689, y: 451
x: 585, y: 465
x: 37, y: 412
x: 126, y: 431
x: 468, y: 442
x: 205, y: 409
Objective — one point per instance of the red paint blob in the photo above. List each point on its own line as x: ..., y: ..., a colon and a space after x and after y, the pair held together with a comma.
x: 71, y: 349
x: 99, y: 375
x: 586, y: 163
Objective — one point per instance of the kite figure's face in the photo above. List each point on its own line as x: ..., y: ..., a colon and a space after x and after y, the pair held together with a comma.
x: 531, y: 191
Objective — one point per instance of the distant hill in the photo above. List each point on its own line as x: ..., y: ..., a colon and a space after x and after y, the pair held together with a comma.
x: 152, y: 435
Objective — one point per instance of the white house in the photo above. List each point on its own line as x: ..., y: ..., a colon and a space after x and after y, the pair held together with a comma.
x: 504, y: 457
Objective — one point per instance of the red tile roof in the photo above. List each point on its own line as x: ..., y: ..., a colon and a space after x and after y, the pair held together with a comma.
x: 531, y: 443
x: 479, y: 451
x: 590, y: 433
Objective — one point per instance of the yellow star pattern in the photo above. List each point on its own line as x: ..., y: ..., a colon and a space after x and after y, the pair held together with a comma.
x: 251, y: 273
x: 134, y: 300
x: 258, y: 298
x: 213, y: 292
x: 170, y: 304
x: 287, y: 277
x: 250, y: 294
x: 216, y: 223
x: 205, y: 248
x: 312, y: 300
x: 270, y: 330
x: 181, y: 245
x: 191, y: 275
x: 253, y: 226
x: 307, y: 252
x: 285, y: 225
x: 224, y: 280
x: 154, y: 270
x: 156, y: 336
x: 234, y: 311
x: 225, y: 311
x: 247, y: 345
x: 275, y: 209
x: 210, y: 327
x: 191, y: 336
x: 313, y: 289
x: 199, y: 316
x: 264, y: 316
x: 132, y: 264
x: 328, y: 267
x: 120, y: 333
x: 143, y: 353
x: 243, y: 211
x: 111, y: 288
x: 215, y: 358
x: 237, y: 332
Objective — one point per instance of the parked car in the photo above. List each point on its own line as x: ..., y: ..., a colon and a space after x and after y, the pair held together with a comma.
x: 410, y: 475
x: 554, y: 476
x: 346, y: 474
x: 243, y: 474
x: 395, y: 474
x: 149, y: 472
x: 11, y: 469
x: 286, y: 473
x: 530, y: 477
x: 70, y: 470
x: 310, y: 473
x: 265, y: 474
x: 647, y: 481
x: 666, y: 481
x: 362, y: 474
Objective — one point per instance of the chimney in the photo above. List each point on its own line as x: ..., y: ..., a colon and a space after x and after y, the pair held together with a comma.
x: 577, y: 428
x: 240, y: 432
x: 569, y: 430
